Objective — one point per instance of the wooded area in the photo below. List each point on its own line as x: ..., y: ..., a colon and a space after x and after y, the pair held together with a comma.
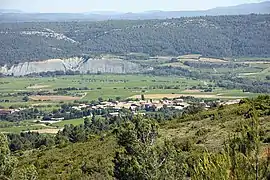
x: 214, y: 36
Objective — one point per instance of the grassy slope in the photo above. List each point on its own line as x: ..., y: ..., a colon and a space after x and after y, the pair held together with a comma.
x: 208, y: 129
x: 75, y: 122
x: 66, y: 163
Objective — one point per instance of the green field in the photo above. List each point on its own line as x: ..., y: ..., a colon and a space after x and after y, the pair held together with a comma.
x: 18, y: 129
x: 27, y: 125
x: 105, y: 86
x: 74, y: 122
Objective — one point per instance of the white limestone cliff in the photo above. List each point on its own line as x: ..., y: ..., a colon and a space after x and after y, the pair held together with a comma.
x: 72, y: 64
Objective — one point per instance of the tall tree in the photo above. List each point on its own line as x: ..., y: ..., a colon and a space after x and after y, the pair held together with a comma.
x: 142, y: 157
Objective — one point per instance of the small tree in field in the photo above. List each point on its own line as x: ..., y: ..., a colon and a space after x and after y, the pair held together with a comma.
x: 142, y: 97
x: 25, y: 98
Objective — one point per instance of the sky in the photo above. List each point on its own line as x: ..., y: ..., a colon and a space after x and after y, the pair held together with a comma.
x: 76, y: 6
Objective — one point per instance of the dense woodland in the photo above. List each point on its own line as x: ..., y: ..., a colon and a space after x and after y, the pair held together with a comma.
x: 216, y: 36
x: 134, y: 147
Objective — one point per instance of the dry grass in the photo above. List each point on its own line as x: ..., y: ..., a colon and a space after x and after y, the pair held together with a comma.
x: 54, y: 98
x: 47, y: 131
x: 214, y: 60
x: 36, y: 86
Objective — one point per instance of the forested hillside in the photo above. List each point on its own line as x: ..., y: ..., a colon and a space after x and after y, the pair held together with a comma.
x: 218, y: 36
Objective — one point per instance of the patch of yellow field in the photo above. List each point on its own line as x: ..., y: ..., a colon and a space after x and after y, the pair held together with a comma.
x: 47, y: 131
x: 36, y: 86
x: 192, y: 90
x: 54, y: 98
x: 171, y: 96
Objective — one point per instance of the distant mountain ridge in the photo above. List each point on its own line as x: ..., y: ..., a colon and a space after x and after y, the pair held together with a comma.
x: 210, y: 36
x: 7, y: 15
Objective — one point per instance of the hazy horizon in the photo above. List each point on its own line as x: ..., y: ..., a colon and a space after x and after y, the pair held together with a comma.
x: 80, y: 6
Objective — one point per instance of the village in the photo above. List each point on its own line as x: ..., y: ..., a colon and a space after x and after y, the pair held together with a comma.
x: 136, y: 107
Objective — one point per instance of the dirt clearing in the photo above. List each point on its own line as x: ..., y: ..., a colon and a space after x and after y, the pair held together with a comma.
x: 47, y: 131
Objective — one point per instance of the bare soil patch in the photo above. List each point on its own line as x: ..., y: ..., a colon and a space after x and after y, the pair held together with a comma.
x: 192, y: 90
x: 54, y: 98
x: 38, y: 86
x: 47, y: 131
x: 171, y: 96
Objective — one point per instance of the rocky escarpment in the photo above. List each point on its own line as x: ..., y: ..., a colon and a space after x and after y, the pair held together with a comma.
x: 72, y: 64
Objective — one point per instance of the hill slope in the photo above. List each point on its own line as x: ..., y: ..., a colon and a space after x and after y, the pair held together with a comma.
x: 219, y: 36
x: 191, y: 135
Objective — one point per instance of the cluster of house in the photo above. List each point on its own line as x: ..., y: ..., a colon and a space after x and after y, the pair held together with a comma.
x: 135, y: 106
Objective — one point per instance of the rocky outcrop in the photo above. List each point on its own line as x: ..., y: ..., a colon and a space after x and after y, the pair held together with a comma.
x: 73, y: 64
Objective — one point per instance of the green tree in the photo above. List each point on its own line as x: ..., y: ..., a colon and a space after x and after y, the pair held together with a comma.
x: 240, y: 158
x: 141, y: 156
x: 25, y: 98
x: 7, y: 162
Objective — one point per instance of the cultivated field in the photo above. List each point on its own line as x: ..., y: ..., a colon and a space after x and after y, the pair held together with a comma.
x: 33, y: 126
x: 54, y: 98
x: 47, y: 131
x: 214, y: 60
x: 107, y: 86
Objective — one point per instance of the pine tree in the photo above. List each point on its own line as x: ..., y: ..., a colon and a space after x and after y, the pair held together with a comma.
x: 142, y: 157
